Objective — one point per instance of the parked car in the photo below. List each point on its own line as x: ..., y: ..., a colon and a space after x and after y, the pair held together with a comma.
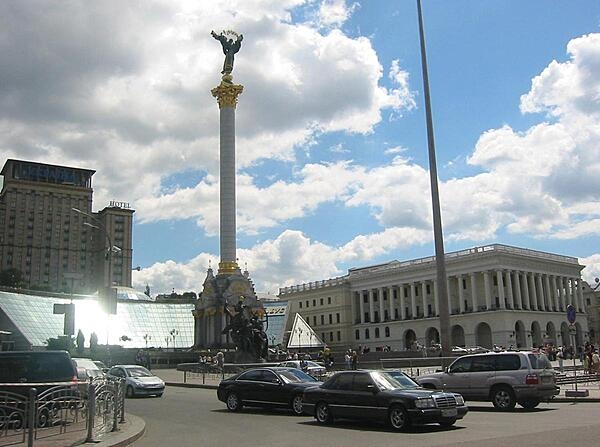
x: 504, y: 378
x: 384, y: 396
x: 138, y: 380
x: 312, y: 368
x: 45, y: 371
x: 43, y: 367
x: 101, y: 365
x: 86, y: 369
x: 275, y: 386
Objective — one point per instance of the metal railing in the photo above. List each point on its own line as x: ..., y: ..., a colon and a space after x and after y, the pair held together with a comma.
x: 84, y: 411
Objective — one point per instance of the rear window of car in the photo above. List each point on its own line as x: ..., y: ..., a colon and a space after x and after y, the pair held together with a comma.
x: 507, y: 362
x: 482, y: 363
x: 539, y: 361
x: 296, y: 375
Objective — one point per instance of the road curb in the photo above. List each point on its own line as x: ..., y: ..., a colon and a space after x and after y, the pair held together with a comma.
x: 192, y: 385
x: 136, y: 427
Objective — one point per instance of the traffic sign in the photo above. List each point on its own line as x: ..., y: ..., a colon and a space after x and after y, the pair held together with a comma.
x: 571, y: 313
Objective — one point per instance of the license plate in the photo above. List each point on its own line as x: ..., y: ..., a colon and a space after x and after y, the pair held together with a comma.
x: 449, y: 412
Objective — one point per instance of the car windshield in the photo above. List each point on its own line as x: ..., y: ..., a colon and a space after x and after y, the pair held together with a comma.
x: 406, y: 381
x: 139, y: 372
x: 296, y: 375
x: 539, y: 361
x: 393, y: 380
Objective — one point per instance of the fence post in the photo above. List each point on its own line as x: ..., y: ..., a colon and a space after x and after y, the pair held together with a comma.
x: 116, y: 405
x: 122, y: 400
x: 31, y: 416
x: 91, y: 404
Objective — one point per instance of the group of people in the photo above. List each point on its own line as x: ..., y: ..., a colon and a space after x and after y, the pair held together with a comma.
x: 591, y: 359
x: 351, y: 359
x: 142, y: 358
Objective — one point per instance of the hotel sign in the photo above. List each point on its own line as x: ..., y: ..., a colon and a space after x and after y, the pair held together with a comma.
x: 115, y: 204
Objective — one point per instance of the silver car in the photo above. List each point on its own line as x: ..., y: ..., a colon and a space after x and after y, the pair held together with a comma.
x: 138, y: 380
x: 504, y: 378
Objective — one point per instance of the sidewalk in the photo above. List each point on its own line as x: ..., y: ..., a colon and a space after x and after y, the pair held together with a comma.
x: 172, y: 377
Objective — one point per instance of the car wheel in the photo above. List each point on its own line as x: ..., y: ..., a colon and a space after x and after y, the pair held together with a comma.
x: 297, y: 405
x: 398, y: 418
x: 529, y: 403
x: 322, y: 413
x: 129, y: 392
x: 233, y: 402
x: 448, y: 422
x: 503, y: 398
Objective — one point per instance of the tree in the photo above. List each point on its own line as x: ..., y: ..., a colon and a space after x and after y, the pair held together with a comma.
x: 61, y: 343
x: 93, y: 341
x: 80, y: 341
x: 11, y: 277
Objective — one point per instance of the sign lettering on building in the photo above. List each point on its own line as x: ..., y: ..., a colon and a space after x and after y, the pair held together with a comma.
x: 115, y: 204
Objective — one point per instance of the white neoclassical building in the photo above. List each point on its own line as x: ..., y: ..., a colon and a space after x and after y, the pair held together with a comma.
x: 498, y: 295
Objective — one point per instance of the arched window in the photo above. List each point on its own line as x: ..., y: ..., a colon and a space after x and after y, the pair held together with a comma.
x: 387, y: 331
x: 376, y: 332
x: 357, y: 334
x: 367, y: 334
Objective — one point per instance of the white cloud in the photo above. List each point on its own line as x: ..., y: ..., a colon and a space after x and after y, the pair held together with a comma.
x: 335, y: 12
x: 129, y: 94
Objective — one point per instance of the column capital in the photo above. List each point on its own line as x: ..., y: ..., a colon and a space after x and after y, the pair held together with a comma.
x: 227, y: 94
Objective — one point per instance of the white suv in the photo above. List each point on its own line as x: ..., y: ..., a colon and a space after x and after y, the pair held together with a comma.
x: 504, y: 378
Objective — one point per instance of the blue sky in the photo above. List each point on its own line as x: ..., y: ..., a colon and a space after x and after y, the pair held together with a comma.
x: 331, y: 139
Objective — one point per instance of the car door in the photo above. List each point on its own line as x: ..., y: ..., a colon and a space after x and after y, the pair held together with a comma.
x: 483, y: 371
x: 361, y: 399
x: 458, y: 376
x: 272, y: 389
x: 336, y: 394
x: 249, y: 385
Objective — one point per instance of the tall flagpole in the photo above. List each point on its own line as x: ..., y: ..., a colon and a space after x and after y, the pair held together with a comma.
x: 435, y: 202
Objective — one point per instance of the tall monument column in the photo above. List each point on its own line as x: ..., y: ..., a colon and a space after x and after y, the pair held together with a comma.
x: 227, y: 94
x: 229, y: 296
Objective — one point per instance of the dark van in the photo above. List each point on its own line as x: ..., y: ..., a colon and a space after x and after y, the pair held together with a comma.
x: 36, y: 367
x: 22, y: 370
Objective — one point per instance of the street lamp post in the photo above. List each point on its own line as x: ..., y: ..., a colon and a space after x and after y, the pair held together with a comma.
x: 108, y: 252
x: 435, y: 200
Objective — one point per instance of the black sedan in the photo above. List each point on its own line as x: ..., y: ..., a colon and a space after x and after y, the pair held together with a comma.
x: 258, y: 387
x: 379, y: 395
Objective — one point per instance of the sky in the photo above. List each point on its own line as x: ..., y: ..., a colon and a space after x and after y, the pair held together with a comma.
x: 331, y: 142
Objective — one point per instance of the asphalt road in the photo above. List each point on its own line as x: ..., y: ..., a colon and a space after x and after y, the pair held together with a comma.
x: 194, y: 417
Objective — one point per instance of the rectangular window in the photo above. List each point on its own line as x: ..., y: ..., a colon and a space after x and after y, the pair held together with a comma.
x: 300, y: 304
x: 337, y: 318
x: 339, y: 336
x: 314, y: 320
x: 330, y: 319
x: 307, y: 304
x: 464, y: 281
x: 428, y: 289
x: 331, y: 336
x: 321, y: 301
x: 328, y: 300
x: 322, y: 319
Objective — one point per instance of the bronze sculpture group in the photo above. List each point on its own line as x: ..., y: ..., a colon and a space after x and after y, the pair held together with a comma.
x: 247, y: 332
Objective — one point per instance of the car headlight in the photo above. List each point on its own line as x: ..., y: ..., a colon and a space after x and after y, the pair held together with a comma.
x: 459, y: 399
x: 425, y: 403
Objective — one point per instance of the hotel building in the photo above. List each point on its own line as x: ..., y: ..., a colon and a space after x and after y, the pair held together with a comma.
x: 49, y: 233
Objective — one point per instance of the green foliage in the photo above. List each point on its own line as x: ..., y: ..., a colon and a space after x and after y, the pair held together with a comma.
x: 62, y: 343
x: 93, y: 341
x: 80, y: 341
x: 11, y: 277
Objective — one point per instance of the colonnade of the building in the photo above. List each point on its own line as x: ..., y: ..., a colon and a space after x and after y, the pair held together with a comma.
x: 469, y: 292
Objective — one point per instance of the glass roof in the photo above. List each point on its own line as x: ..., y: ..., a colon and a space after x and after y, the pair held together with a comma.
x: 34, y: 317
